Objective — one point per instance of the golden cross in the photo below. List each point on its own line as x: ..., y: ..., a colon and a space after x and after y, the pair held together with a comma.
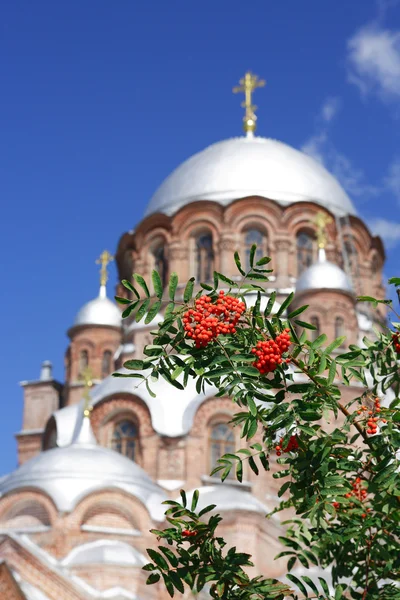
x: 321, y: 221
x: 87, y: 376
x: 247, y: 85
x: 104, y: 259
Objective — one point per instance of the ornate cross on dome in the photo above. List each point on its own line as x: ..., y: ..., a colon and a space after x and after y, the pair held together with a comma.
x: 321, y: 221
x: 247, y: 85
x: 87, y: 376
x: 104, y: 259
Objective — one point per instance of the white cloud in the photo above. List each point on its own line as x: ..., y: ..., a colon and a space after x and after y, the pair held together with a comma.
x: 392, y: 179
x: 330, y: 108
x: 387, y: 230
x: 374, y: 61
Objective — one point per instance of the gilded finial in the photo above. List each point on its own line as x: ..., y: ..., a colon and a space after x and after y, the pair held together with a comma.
x: 104, y: 259
x: 321, y: 221
x: 87, y: 377
x: 247, y: 85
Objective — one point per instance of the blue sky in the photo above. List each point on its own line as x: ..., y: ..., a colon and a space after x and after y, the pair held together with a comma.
x: 101, y: 100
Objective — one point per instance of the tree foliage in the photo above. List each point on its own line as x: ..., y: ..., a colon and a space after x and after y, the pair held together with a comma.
x: 343, y: 484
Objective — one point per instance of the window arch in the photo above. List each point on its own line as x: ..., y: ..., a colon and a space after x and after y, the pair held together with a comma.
x: 315, y: 332
x: 83, y: 362
x: 339, y: 328
x: 305, y: 251
x: 125, y: 438
x: 221, y: 441
x: 352, y: 258
x: 106, y: 363
x: 254, y: 236
x: 204, y: 257
x: 375, y: 266
x: 160, y: 261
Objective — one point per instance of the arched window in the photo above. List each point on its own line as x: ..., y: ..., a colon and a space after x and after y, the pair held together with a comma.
x: 352, y: 258
x: 83, y: 361
x: 222, y: 441
x: 339, y: 327
x: 160, y: 262
x: 204, y: 257
x: 315, y: 332
x: 124, y: 438
x: 375, y: 266
x: 106, y: 363
x: 305, y: 251
x: 254, y: 236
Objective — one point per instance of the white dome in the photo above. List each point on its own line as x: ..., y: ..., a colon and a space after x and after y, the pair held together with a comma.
x: 324, y: 275
x: 100, y: 311
x: 69, y: 474
x: 242, y: 167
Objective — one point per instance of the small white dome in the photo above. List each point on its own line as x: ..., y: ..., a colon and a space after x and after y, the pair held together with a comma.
x: 69, y: 474
x: 241, y: 167
x: 100, y: 311
x: 111, y: 552
x: 324, y: 275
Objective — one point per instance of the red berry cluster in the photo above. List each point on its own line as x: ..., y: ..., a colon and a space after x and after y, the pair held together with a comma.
x: 188, y: 533
x: 396, y: 342
x: 269, y: 353
x: 209, y: 319
x: 293, y: 445
x: 358, y: 492
x: 372, y: 420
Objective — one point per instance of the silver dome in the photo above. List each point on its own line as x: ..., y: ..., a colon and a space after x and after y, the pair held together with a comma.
x: 100, y: 311
x: 69, y: 474
x: 241, y: 167
x: 324, y: 275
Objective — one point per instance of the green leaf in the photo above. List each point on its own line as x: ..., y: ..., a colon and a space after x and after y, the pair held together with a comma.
x: 176, y: 580
x: 183, y: 496
x: 324, y: 586
x: 134, y: 364
x: 263, y: 261
x: 195, y: 499
x: 252, y: 254
x: 252, y: 465
x: 251, y: 406
x: 188, y: 293
x: 151, y: 393
x: 158, y: 559
x: 285, y: 304
x: 298, y: 311
x: 207, y: 509
x: 157, y: 284
x: 139, y: 279
x: 335, y: 344
x: 239, y: 471
x: 253, y: 426
x: 225, y: 279
x: 394, y: 281
x: 129, y: 310
x: 299, y: 583
x: 270, y: 304
x: 310, y: 584
x: 153, y: 311
x: 239, y: 264
x: 122, y: 300
x: 332, y: 372
x: 173, y: 559
x: 142, y: 310
x: 250, y: 371
x: 168, y: 585
x: 319, y: 341
x: 305, y: 325
x: 173, y: 284
x: 338, y: 592
x: 291, y: 563
x: 153, y: 578
x: 130, y: 287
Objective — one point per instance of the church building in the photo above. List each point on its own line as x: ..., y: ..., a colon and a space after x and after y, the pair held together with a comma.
x: 97, y: 454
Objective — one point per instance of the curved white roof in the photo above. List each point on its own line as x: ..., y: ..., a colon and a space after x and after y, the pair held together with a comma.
x: 228, y: 497
x: 324, y: 275
x: 100, y: 311
x: 111, y: 552
x: 241, y: 167
x: 69, y: 474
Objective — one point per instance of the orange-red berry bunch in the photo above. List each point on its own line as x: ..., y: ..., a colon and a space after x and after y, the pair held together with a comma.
x: 209, y: 319
x: 269, y: 353
x: 396, y: 342
x: 372, y: 422
x: 292, y: 446
x: 358, y: 492
x: 188, y: 533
